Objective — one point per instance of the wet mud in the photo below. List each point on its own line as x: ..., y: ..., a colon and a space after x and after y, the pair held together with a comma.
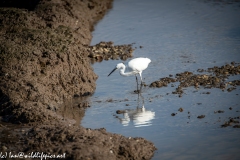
x: 46, y: 77
x: 215, y: 77
x: 234, y: 122
x: 107, y: 51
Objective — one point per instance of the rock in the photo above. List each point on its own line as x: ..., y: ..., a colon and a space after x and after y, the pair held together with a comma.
x: 201, y: 116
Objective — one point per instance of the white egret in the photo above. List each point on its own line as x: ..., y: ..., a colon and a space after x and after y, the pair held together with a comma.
x: 135, y: 66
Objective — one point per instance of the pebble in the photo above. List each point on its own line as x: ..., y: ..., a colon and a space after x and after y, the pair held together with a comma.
x: 180, y: 109
x: 201, y: 116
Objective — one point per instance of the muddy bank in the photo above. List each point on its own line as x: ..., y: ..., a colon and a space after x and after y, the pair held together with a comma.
x: 43, y: 55
x: 74, y: 142
x: 44, y: 61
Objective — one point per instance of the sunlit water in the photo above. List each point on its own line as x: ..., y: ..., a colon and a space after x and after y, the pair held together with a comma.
x: 177, y: 36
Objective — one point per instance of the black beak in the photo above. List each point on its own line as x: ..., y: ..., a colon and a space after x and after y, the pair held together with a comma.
x: 112, y: 71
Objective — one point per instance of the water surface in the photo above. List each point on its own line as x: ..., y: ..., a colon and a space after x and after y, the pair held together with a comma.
x: 177, y: 36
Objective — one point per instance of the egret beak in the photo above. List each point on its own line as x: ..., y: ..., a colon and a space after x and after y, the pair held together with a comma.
x: 112, y: 71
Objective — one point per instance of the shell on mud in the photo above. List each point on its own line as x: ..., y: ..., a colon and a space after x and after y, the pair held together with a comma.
x: 106, y: 51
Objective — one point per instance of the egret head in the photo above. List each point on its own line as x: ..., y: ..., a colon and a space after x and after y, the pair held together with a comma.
x: 118, y: 66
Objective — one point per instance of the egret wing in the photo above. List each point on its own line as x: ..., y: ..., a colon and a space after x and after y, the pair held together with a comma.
x: 138, y: 64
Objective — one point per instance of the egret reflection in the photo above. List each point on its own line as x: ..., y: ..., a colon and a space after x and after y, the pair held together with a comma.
x: 139, y: 116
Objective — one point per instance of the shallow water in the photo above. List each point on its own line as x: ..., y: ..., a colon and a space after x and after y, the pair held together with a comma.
x: 177, y: 37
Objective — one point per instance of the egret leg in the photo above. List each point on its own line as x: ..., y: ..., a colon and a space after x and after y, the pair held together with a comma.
x: 140, y: 74
x: 137, y: 82
x: 141, y: 86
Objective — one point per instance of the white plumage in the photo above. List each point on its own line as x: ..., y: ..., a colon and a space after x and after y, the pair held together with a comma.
x: 135, y: 66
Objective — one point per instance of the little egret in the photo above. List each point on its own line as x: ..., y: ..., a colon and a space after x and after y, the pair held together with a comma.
x: 135, y: 66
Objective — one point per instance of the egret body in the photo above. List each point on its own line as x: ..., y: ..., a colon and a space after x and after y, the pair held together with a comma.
x: 135, y: 66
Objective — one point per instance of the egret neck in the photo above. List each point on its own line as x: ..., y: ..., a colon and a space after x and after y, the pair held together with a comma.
x: 123, y: 73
